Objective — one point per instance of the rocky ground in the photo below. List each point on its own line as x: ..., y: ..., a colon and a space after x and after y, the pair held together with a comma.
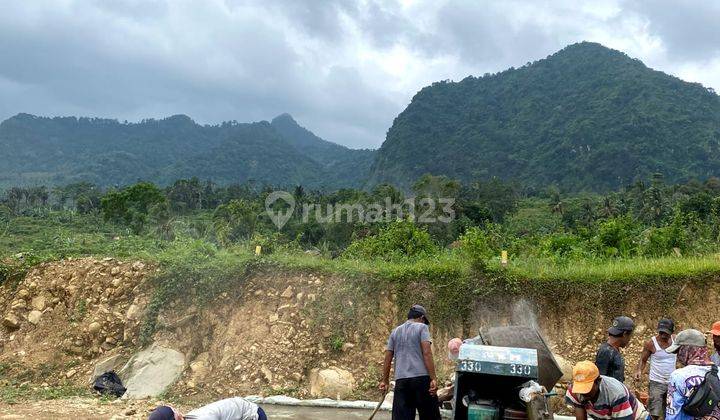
x: 77, y: 408
x: 64, y: 316
x: 84, y: 408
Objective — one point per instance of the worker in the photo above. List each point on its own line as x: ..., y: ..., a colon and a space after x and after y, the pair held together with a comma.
x: 715, y: 332
x: 608, y: 358
x: 415, y: 381
x: 662, y: 364
x: 601, y: 397
x: 691, y: 348
x: 228, y: 409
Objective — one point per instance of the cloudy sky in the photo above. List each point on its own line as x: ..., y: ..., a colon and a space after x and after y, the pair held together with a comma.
x: 343, y: 69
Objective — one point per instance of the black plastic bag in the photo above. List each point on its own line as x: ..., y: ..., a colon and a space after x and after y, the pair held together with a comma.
x: 109, y: 383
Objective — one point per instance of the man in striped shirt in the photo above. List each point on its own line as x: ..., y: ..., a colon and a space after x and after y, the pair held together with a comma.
x: 601, y: 397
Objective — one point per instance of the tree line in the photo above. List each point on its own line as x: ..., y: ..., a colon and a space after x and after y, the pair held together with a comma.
x: 646, y: 218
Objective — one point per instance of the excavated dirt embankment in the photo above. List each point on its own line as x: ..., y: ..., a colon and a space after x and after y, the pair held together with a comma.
x: 269, y: 335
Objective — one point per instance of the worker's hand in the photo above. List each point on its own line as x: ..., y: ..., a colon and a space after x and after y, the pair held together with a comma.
x: 433, y: 387
x: 384, y: 386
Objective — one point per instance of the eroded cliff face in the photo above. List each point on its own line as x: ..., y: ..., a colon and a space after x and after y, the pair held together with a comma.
x: 273, y: 333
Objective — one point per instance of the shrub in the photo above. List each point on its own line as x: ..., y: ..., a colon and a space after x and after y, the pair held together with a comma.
x: 479, y: 244
x: 615, y: 236
x: 131, y: 206
x: 235, y: 221
x: 270, y: 243
x: 561, y: 245
x: 401, y: 239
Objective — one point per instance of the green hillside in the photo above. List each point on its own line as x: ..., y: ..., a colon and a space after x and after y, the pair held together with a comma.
x: 585, y: 118
x: 57, y: 151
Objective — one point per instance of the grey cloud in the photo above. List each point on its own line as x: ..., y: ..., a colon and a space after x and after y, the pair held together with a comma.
x: 247, y: 60
x: 239, y: 68
x: 689, y: 29
x: 492, y: 36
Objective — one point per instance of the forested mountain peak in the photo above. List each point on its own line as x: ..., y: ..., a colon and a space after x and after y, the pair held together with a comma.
x: 351, y: 166
x: 299, y: 135
x: 585, y: 118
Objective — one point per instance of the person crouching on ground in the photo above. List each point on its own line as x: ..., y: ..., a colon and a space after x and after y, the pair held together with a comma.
x: 601, y: 397
x: 662, y: 364
x: 415, y: 382
x: 228, y: 409
x: 608, y: 358
x: 692, y: 352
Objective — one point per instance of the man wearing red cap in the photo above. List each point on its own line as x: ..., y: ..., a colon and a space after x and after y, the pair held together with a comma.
x: 715, y: 331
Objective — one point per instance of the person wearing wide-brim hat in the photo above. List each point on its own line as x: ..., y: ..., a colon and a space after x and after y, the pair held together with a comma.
x: 690, y: 345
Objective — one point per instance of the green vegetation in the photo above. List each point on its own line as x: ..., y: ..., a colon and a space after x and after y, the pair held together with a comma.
x: 586, y: 118
x: 13, y: 393
x: 398, y: 240
x: 56, y: 151
x: 204, y: 240
x: 17, y: 383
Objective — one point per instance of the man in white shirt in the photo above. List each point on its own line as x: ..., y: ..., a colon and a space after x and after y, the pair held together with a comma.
x: 228, y: 409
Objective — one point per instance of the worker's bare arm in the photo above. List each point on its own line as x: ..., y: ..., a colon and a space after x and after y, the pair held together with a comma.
x: 429, y: 365
x: 647, y: 351
x: 385, y: 381
x: 580, y: 413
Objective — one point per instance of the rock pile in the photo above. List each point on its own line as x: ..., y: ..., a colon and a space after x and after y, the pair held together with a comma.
x: 75, y: 308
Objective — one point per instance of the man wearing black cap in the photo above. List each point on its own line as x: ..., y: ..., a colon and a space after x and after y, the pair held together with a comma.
x: 608, y: 358
x: 415, y: 385
x: 662, y: 364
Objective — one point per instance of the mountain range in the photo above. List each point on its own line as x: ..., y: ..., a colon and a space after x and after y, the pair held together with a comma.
x: 585, y: 118
x: 62, y: 150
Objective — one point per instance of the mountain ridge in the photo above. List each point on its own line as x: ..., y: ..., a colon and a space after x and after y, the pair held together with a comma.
x: 56, y: 150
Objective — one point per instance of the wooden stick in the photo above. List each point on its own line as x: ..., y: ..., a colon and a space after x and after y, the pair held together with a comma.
x: 382, y: 400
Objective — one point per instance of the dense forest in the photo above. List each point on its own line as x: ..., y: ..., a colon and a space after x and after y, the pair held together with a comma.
x: 586, y: 118
x: 56, y: 151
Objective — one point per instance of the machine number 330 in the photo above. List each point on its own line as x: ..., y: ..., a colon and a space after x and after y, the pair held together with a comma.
x: 470, y: 366
x: 518, y: 369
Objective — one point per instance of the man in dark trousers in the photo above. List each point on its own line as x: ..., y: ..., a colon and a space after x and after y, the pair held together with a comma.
x: 415, y: 383
x: 608, y: 358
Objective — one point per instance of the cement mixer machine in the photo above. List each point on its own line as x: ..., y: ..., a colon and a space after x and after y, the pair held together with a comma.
x: 494, y: 381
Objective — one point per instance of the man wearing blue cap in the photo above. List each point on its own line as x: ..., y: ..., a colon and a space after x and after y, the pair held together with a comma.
x: 415, y: 384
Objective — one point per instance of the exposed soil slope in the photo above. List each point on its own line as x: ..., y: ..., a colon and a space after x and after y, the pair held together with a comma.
x: 266, y: 336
